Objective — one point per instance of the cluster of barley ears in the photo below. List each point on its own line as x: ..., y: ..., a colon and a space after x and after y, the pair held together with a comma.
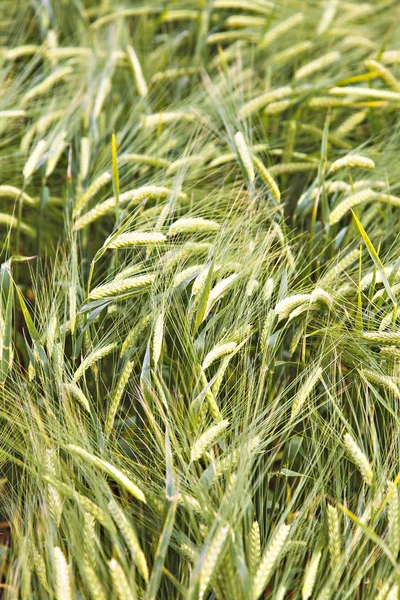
x: 199, y: 330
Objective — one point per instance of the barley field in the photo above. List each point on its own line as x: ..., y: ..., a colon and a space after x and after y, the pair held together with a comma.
x: 199, y: 283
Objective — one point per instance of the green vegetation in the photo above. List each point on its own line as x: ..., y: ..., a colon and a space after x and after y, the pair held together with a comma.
x: 199, y: 335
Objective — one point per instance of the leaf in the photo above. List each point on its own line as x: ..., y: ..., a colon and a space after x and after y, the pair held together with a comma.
x: 115, y: 176
x: 163, y: 544
x: 33, y: 332
x: 321, y: 178
x: 170, y: 487
x: 5, y: 341
x: 375, y: 257
x: 289, y: 473
x: 359, y: 319
x: 369, y: 532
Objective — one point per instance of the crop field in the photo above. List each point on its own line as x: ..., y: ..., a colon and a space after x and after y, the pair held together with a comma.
x: 199, y: 283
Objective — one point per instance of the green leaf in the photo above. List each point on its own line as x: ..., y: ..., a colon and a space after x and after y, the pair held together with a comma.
x: 289, y: 473
x: 115, y: 176
x: 369, y: 532
x: 5, y: 341
x: 375, y: 257
x: 33, y: 332
x: 359, y: 319
x: 163, y: 544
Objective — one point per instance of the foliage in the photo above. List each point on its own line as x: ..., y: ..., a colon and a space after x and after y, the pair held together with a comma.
x: 199, y: 344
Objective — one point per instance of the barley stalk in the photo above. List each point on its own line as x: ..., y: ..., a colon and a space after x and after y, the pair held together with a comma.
x: 173, y: 73
x: 390, y: 56
x: 12, y: 114
x: 220, y: 374
x: 267, y: 328
x: 392, y: 351
x: 340, y: 266
x: 201, y: 278
x: 23, y: 50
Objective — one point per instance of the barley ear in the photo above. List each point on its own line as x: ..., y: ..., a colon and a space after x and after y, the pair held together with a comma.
x: 269, y: 560
x: 63, y: 576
